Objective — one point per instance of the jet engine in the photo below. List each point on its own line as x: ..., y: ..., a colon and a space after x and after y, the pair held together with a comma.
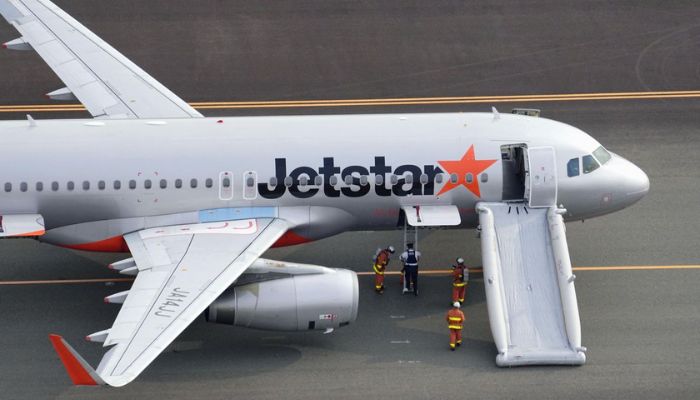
x: 288, y: 297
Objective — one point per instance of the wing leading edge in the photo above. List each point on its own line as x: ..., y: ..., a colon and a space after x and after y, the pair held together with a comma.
x: 106, y: 82
x: 182, y: 270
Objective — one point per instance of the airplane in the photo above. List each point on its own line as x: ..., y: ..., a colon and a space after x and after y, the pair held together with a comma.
x: 197, y: 201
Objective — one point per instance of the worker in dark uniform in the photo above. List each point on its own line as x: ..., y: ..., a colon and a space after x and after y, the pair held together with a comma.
x: 455, y: 319
x: 460, y: 278
x: 381, y: 260
x: 410, y: 259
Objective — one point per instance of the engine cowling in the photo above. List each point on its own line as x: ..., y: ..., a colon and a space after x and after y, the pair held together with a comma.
x: 300, y: 302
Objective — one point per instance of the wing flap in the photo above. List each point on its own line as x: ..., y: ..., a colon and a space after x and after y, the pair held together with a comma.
x: 203, y: 261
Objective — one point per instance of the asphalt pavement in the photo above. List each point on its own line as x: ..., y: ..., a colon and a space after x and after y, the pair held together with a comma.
x: 641, y: 327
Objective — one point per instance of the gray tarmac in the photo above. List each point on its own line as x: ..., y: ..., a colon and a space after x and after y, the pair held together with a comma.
x: 642, y: 328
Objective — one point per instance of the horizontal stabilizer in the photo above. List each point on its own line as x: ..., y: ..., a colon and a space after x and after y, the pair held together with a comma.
x: 79, y: 371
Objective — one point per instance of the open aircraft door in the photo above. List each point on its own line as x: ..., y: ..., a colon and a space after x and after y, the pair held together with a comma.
x: 541, y: 181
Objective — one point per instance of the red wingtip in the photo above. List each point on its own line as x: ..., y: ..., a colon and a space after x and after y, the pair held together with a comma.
x: 4, y: 45
x: 77, y: 373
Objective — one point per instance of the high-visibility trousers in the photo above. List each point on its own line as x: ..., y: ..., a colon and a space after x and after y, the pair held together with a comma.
x: 455, y: 337
x: 458, y: 292
x: 378, y: 278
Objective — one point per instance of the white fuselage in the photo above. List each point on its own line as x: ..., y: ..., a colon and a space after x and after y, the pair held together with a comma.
x: 86, y: 177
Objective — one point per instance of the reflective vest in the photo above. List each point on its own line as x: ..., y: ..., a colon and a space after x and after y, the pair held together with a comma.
x: 411, y: 259
x: 458, y: 276
x: 378, y: 269
x: 455, y: 318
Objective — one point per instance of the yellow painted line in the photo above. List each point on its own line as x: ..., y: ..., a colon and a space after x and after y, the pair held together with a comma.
x: 391, y: 101
x: 422, y: 272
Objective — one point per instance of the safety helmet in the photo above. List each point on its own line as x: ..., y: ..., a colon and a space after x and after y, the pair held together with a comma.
x: 456, y: 304
x: 391, y: 249
x: 460, y: 260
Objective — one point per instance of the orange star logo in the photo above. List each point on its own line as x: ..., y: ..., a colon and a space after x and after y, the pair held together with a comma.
x: 467, y: 165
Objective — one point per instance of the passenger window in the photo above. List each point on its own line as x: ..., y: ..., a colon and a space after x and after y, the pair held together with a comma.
x: 333, y: 180
x: 288, y: 181
x: 589, y: 164
x: 70, y: 186
x: 39, y: 186
x: 348, y: 179
x: 379, y: 180
x: 303, y: 180
x: 8, y: 187
x: 602, y: 155
x: 318, y: 181
x: 409, y: 178
x: 453, y: 178
x: 363, y: 180
x: 424, y: 179
x: 117, y: 185
x: 469, y: 177
x: 273, y: 181
x: 572, y: 167
x: 178, y: 183
x: 101, y: 185
x: 86, y: 185
x: 147, y: 184
x: 163, y: 184
x: 209, y: 183
x: 23, y: 187
x: 394, y: 179
x: 484, y: 177
x: 193, y: 183
x: 132, y: 184
x: 226, y: 182
x: 54, y: 186
x: 250, y: 182
x: 438, y: 178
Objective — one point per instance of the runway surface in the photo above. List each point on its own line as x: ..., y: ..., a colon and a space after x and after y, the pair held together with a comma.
x: 641, y: 326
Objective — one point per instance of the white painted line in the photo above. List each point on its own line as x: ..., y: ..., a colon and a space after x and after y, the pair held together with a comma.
x: 400, y: 342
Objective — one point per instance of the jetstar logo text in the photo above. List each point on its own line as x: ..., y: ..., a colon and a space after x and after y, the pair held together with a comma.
x: 404, y: 180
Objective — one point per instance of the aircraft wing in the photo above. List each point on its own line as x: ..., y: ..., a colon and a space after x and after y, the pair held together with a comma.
x: 106, y: 82
x: 181, y: 271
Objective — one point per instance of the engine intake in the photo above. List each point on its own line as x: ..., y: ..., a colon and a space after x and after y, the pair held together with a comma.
x: 300, y: 302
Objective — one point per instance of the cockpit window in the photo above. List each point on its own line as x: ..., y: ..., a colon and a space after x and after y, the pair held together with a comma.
x: 602, y: 155
x: 589, y: 164
x: 572, y: 167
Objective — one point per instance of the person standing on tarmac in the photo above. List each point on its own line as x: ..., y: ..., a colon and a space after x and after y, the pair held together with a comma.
x: 455, y: 319
x: 381, y: 260
x: 460, y: 278
x: 410, y: 259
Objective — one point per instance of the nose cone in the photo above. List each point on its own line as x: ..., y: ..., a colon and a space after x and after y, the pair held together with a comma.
x: 634, y: 184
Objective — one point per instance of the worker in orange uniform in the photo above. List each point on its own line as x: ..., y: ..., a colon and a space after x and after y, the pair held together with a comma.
x: 381, y: 260
x: 460, y: 278
x: 455, y: 319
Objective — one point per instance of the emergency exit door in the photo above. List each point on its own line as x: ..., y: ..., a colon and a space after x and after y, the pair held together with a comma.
x: 541, y: 181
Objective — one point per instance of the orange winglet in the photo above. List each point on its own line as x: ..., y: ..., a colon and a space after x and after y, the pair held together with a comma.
x: 78, y: 369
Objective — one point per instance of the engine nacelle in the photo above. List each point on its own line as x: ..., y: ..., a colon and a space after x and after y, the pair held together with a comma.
x: 300, y: 302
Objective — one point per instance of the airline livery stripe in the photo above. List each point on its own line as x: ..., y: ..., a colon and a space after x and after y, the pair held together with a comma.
x: 423, y: 272
x: 390, y: 101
